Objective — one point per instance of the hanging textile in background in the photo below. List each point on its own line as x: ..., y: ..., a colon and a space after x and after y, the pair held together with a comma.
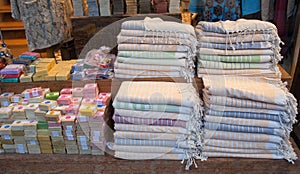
x: 44, y: 21
x: 250, y: 7
x: 267, y: 9
x: 216, y: 10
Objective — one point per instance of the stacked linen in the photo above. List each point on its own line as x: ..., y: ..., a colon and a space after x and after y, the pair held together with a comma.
x: 157, y: 120
x: 155, y: 48
x: 238, y: 48
x: 247, y: 118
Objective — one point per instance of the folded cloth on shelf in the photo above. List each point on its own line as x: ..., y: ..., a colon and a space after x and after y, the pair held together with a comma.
x: 149, y: 121
x: 138, y: 73
x: 244, y: 129
x: 211, y: 51
x: 160, y: 68
x: 143, y: 142
x: 153, y: 55
x: 236, y: 46
x: 143, y: 156
x: 127, y: 76
x: 237, y: 59
x: 162, y: 62
x: 152, y: 114
x: 228, y: 65
x: 241, y: 144
x: 150, y: 47
x: 149, y: 135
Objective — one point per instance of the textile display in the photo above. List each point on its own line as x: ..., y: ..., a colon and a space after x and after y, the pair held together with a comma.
x: 227, y: 47
x: 158, y: 120
x: 152, y: 48
x: 243, y: 121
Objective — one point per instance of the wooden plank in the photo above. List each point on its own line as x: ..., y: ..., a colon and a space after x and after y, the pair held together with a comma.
x: 5, y: 9
x: 57, y: 163
x: 15, y: 42
x: 15, y: 25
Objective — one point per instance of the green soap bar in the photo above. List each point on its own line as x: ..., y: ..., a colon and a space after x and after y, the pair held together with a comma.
x: 10, y: 80
x: 42, y: 125
x: 52, y: 96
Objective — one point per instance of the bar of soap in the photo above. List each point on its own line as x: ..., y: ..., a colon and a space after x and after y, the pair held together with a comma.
x: 88, y: 101
x: 5, y: 112
x: 71, y: 109
x: 53, y: 115
x: 64, y: 99
x: 90, y: 90
x: 16, y: 98
x: 36, y: 99
x: 52, y: 96
x: 77, y: 92
x: 68, y: 120
x: 77, y: 100
x: 47, y: 105
x: 33, y: 92
x: 66, y: 91
x: 87, y: 110
x: 5, y: 129
x: 103, y: 99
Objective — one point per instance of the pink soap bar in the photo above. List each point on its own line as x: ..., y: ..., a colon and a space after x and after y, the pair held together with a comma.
x: 66, y: 91
x: 65, y: 99
x: 90, y: 90
x: 88, y: 101
x: 71, y: 109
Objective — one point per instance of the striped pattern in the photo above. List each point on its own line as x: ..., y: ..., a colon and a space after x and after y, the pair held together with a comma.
x: 154, y: 42
x: 157, y: 120
x: 242, y: 120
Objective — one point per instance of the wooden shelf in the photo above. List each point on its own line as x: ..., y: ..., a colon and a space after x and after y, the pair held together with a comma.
x: 16, y: 42
x: 5, y: 9
x: 56, y: 163
x: 8, y: 26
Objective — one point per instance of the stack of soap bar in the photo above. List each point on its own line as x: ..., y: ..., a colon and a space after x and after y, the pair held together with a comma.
x: 11, y: 73
x: 69, y: 132
x: 17, y: 132
x: 42, y: 68
x: 77, y: 92
x: 44, y: 139
x: 19, y: 112
x: 65, y: 99
x: 53, y: 115
x: 52, y: 96
x: 57, y: 139
x: 7, y: 140
x: 30, y: 131
x: 5, y: 98
x: 47, y: 105
x: 90, y: 90
x: 29, y: 111
x: 87, y: 110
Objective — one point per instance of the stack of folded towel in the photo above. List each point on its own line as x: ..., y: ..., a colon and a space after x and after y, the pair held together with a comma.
x: 248, y: 118
x: 238, y: 48
x: 155, y: 48
x: 157, y: 120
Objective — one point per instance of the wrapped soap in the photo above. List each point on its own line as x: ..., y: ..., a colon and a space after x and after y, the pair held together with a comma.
x: 77, y: 100
x: 29, y: 110
x: 53, y: 115
x: 26, y: 77
x: 36, y: 99
x: 77, y: 92
x: 71, y: 109
x: 90, y: 90
x: 87, y: 110
x: 33, y: 92
x: 66, y: 91
x: 5, y: 112
x: 52, y: 96
x: 5, y: 129
x: 65, y: 99
x: 103, y: 99
x: 47, y: 105
x: 16, y: 98
x: 88, y: 101
x: 68, y: 120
